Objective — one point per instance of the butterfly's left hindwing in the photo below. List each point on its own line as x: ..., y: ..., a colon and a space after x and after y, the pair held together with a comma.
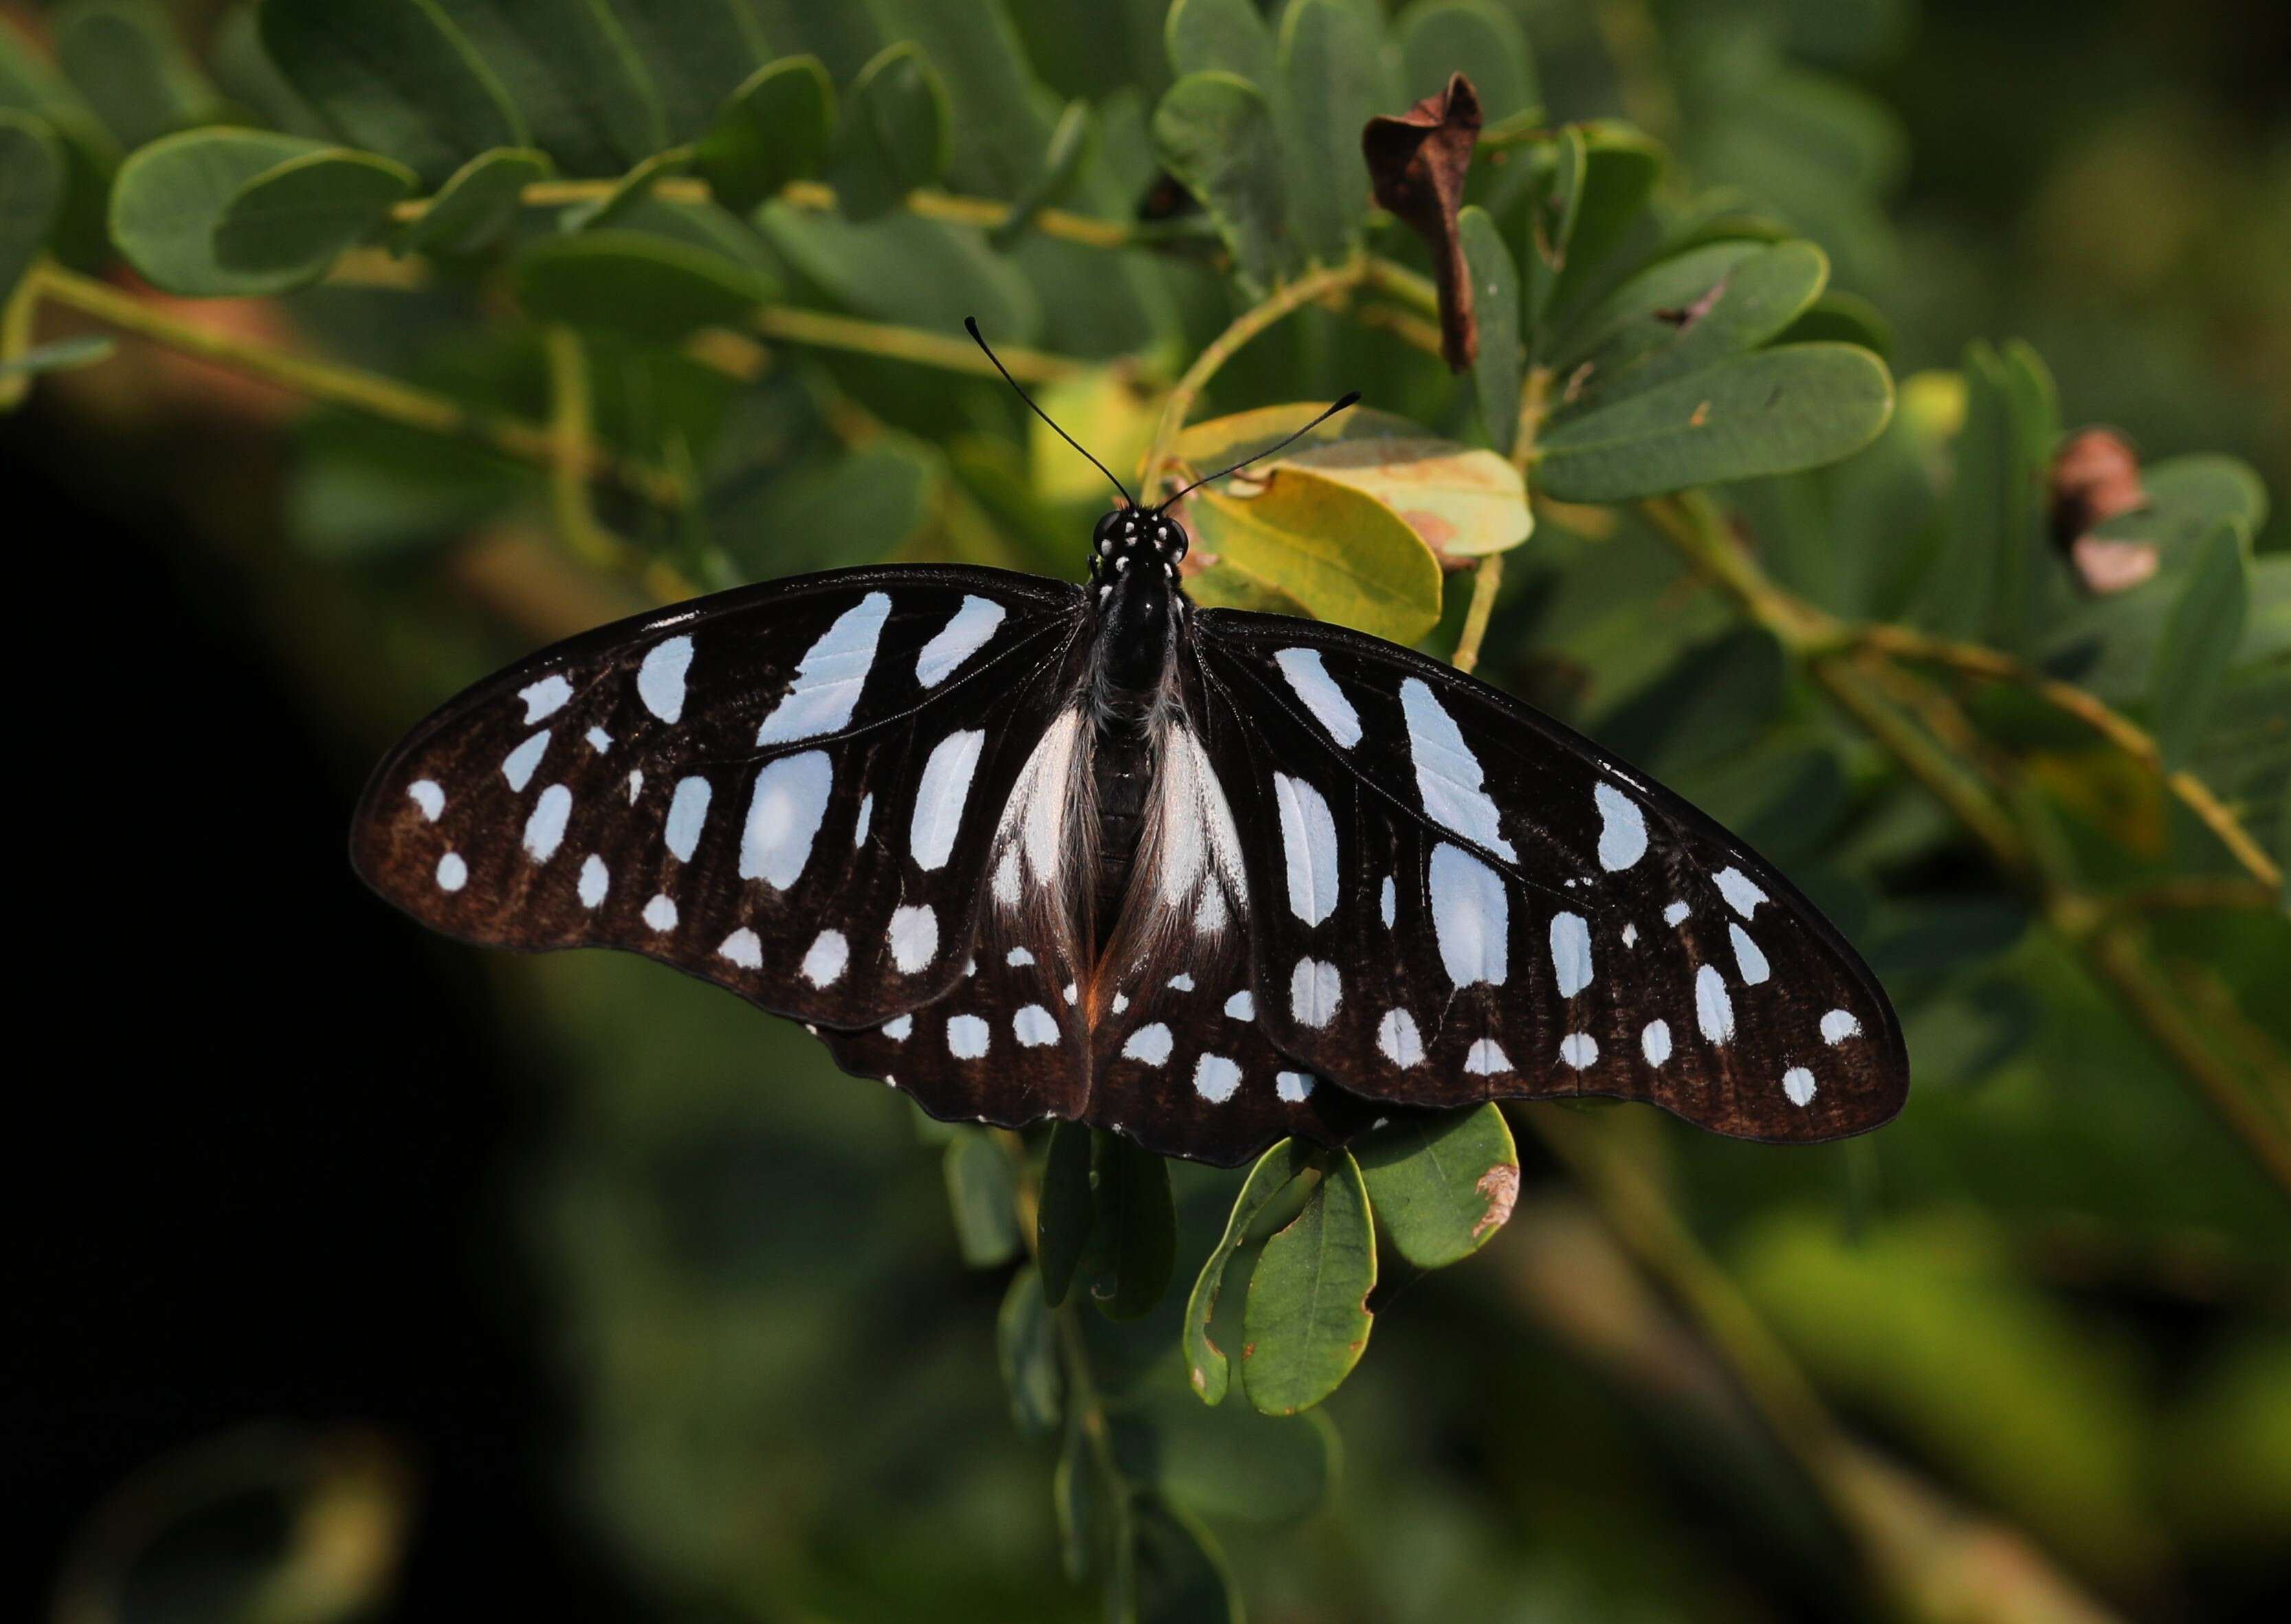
x: 1458, y: 899
x: 785, y: 791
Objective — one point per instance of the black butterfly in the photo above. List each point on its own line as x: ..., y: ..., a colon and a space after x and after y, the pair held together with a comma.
x: 1207, y: 878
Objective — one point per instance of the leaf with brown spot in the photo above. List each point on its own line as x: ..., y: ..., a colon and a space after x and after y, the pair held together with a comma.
x: 1442, y: 1185
x: 1417, y: 166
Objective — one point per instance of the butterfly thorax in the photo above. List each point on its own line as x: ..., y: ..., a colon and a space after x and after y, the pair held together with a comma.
x: 1139, y: 609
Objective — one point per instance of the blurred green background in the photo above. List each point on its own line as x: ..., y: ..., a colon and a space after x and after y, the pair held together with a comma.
x: 376, y: 1278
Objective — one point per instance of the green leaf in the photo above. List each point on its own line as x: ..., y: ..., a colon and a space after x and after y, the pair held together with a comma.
x: 1307, y: 1320
x: 395, y: 77
x: 1066, y: 1212
x: 1478, y: 39
x: 1069, y: 142
x: 1443, y: 1185
x: 895, y: 135
x: 478, y: 205
x: 1226, y: 36
x: 1331, y: 84
x: 245, y: 74
x: 700, y: 54
x: 1554, y: 196
x: 1084, y: 1516
x: 625, y: 193
x: 637, y: 283
x: 848, y: 507
x: 777, y: 127
x: 1620, y: 169
x: 1134, y: 1241
x: 1496, y: 298
x: 1774, y: 412
x: 2199, y: 644
x: 902, y: 268
x: 1843, y: 318
x: 126, y: 57
x: 1214, y: 132
x: 568, y: 69
x: 1988, y: 577
x: 1335, y: 549
x: 1684, y: 314
x: 31, y: 194
x: 64, y: 355
x: 295, y: 218
x: 1228, y: 1463
x: 1170, y: 1571
x: 1206, y: 1365
x: 982, y: 1192
x: 1026, y: 1344
x: 173, y: 195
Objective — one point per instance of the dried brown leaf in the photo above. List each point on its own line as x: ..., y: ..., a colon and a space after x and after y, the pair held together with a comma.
x: 1417, y: 164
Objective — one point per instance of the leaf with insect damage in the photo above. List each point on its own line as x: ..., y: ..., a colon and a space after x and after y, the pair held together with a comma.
x: 1207, y: 1367
x: 1443, y: 1185
x: 1307, y: 1321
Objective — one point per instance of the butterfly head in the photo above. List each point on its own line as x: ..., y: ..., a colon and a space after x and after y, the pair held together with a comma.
x: 1131, y: 539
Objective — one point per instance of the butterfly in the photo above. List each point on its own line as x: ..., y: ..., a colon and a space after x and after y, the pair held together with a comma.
x: 1207, y: 878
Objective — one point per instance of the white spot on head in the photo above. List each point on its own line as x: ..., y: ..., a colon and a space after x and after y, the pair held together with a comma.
x: 1579, y: 1050
x: 897, y: 1028
x: 1241, y: 1005
x: 1748, y: 959
x: 598, y: 739
x: 1448, y: 774
x: 545, y: 831
x: 1741, y: 895
x: 1798, y: 1082
x: 824, y: 962
x: 1675, y: 914
x: 517, y: 766
x: 1487, y: 1059
x: 1182, y: 981
x: 913, y: 937
x: 1018, y: 957
x: 830, y: 676
x: 961, y: 637
x: 1151, y: 1043
x: 1471, y: 916
x: 967, y: 1037
x: 425, y: 794
x: 1389, y: 904
x: 1838, y: 1025
x: 1315, y: 992
x: 785, y: 809
x: 941, y: 796
x: 688, y: 814
x: 544, y: 698
x: 1622, y: 828
x: 660, y: 680
x: 1034, y: 1027
x: 1630, y: 936
x: 1215, y: 1079
x: 1397, y: 1037
x: 453, y: 873
x: 1294, y: 1087
x: 1312, y: 683
x: 595, y: 879
x: 744, y: 948
x: 867, y: 818
x: 1655, y: 1042
x: 1308, y: 843
x: 660, y: 912
x: 1713, y: 1011
x: 1571, y: 953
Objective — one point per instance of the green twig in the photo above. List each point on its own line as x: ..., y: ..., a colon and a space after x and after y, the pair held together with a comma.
x: 790, y: 325
x: 1485, y: 580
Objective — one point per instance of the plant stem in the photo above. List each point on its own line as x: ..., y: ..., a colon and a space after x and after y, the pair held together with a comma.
x: 792, y: 326
x: 349, y: 387
x: 1485, y: 580
x: 1082, y: 1380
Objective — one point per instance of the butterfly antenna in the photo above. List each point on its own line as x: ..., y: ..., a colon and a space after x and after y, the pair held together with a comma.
x: 970, y: 325
x: 1351, y: 399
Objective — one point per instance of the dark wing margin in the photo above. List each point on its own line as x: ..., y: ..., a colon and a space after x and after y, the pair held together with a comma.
x: 785, y: 790
x: 1458, y: 899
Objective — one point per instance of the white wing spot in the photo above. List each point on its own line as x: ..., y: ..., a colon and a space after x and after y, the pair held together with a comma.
x: 1308, y: 843
x: 831, y: 675
x: 899, y: 1027
x: 1182, y: 981
x: 1630, y: 936
x: 1798, y: 1082
x: 596, y: 879
x: 914, y: 938
x: 1034, y: 1027
x: 1655, y: 1042
x: 967, y: 1037
x: 1120, y: 1002
x: 1006, y: 877
x: 1314, y: 990
x: 961, y: 637
x: 867, y: 818
x: 785, y: 809
x: 1713, y: 1011
x: 1151, y: 1044
x: 744, y: 948
x: 1294, y: 1087
x: 1622, y: 829
x: 1311, y: 682
x: 1675, y: 914
x: 1389, y: 904
x: 941, y: 796
x: 1018, y: 957
x: 1471, y: 916
x: 1071, y: 992
x: 1215, y: 1079
x: 1748, y: 959
x: 688, y: 814
x: 660, y: 912
x: 545, y: 698
x: 1838, y: 1025
x: 598, y: 739
x: 1447, y: 776
x: 425, y: 794
x: 660, y: 680
x: 453, y: 873
x: 1397, y: 1037
x: 1241, y: 1005
x: 636, y: 787
x: 1579, y: 1050
x: 1487, y: 1059
x: 1571, y: 953
x: 518, y: 765
x: 545, y: 831
x: 823, y: 962
x: 1741, y: 895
